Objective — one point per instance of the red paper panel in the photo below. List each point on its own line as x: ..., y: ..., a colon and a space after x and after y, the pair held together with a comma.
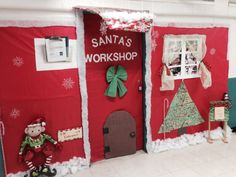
x: 101, y: 106
x: 25, y: 82
x: 25, y: 93
x: 216, y: 57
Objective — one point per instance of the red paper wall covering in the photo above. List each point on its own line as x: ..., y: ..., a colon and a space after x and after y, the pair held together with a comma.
x: 216, y: 40
x: 31, y: 93
x: 100, y: 106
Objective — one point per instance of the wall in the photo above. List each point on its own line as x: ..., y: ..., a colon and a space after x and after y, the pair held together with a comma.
x: 215, y: 38
x: 232, y: 86
x: 167, y: 11
x: 28, y: 93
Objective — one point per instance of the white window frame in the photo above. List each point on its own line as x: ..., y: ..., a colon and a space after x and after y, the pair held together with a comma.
x: 183, y: 39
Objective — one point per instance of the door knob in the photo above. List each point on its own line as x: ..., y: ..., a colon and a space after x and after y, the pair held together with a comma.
x: 132, y: 134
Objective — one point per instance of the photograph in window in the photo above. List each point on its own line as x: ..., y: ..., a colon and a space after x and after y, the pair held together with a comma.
x: 191, y: 70
x: 175, y: 60
x: 176, y: 71
x: 190, y: 59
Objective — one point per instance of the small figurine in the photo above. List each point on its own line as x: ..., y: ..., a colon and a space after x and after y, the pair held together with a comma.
x: 226, y: 97
x: 228, y: 100
x: 34, y: 145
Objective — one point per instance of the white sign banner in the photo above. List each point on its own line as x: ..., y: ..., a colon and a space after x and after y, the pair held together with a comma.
x: 69, y: 134
x: 219, y: 113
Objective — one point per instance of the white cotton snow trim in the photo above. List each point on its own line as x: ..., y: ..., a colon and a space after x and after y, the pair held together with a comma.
x: 35, y: 23
x: 70, y: 167
x: 188, y: 139
x: 126, y: 16
x: 148, y: 91
x: 82, y: 81
x: 65, y: 168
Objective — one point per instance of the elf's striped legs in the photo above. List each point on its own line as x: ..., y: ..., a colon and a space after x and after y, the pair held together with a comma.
x: 48, y: 160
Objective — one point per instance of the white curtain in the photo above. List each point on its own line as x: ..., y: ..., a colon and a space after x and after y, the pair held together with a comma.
x: 205, y: 74
x: 167, y: 79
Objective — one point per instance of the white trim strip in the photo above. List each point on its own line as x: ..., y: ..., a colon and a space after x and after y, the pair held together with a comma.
x: 35, y: 23
x: 82, y: 80
x: 148, y: 90
x: 189, y: 25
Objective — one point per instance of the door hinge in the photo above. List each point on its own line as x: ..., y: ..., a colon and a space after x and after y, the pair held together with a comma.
x: 107, y: 149
x: 105, y: 130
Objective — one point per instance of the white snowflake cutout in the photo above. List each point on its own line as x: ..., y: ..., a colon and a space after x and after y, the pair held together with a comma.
x: 142, y: 27
x: 212, y: 51
x: 68, y: 83
x: 103, y: 28
x: 15, y: 113
x: 154, y: 36
x: 18, y: 61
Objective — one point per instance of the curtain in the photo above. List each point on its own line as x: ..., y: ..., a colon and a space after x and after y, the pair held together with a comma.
x: 205, y: 74
x: 167, y: 79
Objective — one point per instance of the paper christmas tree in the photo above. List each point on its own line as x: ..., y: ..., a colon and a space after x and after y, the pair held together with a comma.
x: 182, y: 112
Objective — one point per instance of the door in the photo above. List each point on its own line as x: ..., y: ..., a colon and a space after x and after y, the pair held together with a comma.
x: 99, y: 57
x: 119, y: 135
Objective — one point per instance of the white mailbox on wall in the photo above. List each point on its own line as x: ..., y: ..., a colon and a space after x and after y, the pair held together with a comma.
x: 56, y: 62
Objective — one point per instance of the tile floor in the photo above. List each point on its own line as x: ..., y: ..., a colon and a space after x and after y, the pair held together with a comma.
x: 204, y: 160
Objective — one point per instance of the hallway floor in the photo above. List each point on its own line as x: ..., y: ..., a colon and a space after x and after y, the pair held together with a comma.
x: 204, y: 160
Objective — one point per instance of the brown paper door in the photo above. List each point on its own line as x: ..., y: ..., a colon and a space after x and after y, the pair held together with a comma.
x: 119, y: 135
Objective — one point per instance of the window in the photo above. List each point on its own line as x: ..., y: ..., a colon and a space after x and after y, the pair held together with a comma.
x: 182, y: 55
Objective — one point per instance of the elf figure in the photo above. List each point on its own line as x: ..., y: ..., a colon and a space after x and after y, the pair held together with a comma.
x: 36, y: 145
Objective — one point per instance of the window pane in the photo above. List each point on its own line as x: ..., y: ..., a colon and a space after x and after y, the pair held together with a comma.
x: 190, y: 59
x: 174, y: 46
x: 174, y: 59
x: 176, y: 71
x: 191, y: 45
x: 190, y: 70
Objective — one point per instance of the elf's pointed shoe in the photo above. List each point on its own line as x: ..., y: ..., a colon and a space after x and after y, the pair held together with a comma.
x: 46, y: 170
x: 34, y: 173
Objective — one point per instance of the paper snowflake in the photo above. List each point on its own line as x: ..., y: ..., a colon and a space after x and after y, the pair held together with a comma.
x: 212, y: 51
x: 68, y: 83
x: 103, y: 28
x: 142, y: 27
x: 154, y: 36
x: 14, y: 113
x: 18, y: 61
